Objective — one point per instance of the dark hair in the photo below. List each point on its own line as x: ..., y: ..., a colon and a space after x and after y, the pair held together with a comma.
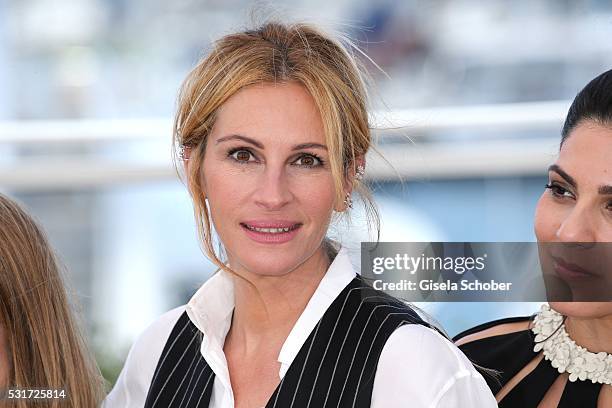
x: 593, y: 102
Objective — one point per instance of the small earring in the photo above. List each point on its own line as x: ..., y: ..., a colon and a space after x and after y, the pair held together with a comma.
x: 182, y: 153
x: 360, y: 172
x: 348, y: 201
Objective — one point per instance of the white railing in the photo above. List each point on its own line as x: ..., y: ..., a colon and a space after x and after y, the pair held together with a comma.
x: 497, y: 155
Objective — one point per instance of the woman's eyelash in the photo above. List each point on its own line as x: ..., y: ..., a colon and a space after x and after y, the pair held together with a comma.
x: 557, y: 190
x: 235, y: 150
x: 313, y: 156
x: 232, y: 152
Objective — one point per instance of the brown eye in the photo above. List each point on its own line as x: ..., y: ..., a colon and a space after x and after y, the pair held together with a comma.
x: 242, y: 156
x: 308, y: 161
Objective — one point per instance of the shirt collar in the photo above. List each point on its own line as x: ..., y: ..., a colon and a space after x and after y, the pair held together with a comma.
x: 211, y: 308
x: 339, y: 274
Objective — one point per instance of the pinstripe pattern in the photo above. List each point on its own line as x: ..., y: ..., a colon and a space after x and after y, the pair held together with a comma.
x: 181, y: 360
x: 334, y: 368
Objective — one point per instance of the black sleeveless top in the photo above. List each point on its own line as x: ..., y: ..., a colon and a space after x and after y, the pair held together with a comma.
x: 509, y: 353
x: 334, y: 368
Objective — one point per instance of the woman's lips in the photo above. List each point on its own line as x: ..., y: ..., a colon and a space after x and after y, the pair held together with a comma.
x: 271, y: 232
x: 570, y: 271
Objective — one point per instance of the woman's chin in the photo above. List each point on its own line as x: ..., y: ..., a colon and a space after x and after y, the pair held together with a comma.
x: 583, y: 310
x: 268, y: 265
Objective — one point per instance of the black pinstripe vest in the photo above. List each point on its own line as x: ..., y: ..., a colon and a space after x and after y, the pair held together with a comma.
x: 334, y: 368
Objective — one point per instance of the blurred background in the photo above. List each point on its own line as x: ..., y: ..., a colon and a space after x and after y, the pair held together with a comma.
x: 478, y: 92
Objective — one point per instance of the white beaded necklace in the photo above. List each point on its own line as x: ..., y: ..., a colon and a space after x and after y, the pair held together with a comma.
x: 564, y: 354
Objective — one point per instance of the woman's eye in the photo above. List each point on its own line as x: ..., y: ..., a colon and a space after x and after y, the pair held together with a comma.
x: 241, y: 155
x: 558, y: 191
x: 308, y: 160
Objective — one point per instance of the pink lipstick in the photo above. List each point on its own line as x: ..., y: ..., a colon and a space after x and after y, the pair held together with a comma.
x: 270, y: 231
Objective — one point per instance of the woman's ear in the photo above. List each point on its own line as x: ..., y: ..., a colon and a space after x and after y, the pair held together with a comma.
x: 355, y: 172
x: 185, y: 154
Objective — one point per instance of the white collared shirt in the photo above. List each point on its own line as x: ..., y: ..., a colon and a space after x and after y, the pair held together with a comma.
x: 418, y: 367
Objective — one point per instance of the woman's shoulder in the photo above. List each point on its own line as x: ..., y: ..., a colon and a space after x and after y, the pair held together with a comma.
x: 154, y: 337
x: 149, y: 344
x: 135, y: 378
x: 499, y: 327
x: 420, y: 363
x: 382, y: 306
x: 426, y: 346
x: 504, y: 345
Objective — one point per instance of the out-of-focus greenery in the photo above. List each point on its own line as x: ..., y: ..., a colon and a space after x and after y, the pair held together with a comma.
x: 110, y: 366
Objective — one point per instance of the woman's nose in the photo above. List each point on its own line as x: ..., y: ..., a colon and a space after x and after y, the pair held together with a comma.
x: 272, y: 191
x: 577, y: 226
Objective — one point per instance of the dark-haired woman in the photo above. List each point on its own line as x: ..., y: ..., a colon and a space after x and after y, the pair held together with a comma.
x: 561, y: 357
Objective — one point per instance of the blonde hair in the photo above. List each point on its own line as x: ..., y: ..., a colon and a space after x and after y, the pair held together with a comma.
x: 277, y: 52
x: 45, y: 348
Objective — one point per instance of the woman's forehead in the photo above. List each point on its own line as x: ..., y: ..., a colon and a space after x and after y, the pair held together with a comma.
x: 271, y: 113
x: 587, y: 152
x: 271, y: 98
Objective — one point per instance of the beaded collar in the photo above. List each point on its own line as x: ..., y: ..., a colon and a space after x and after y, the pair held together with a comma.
x: 564, y: 354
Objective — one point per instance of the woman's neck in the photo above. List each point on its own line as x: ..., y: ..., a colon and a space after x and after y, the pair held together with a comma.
x: 593, y: 334
x: 268, y: 306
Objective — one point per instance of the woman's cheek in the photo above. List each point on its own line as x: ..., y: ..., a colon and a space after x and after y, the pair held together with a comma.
x: 545, y: 220
x: 320, y: 200
x: 226, y: 183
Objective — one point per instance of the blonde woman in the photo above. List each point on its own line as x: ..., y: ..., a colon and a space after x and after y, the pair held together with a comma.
x: 43, y: 359
x: 273, y: 131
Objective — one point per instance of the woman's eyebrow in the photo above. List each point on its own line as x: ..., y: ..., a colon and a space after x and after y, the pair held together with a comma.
x: 240, y: 137
x: 563, y: 174
x: 309, y: 146
x: 605, y: 190
x: 261, y: 146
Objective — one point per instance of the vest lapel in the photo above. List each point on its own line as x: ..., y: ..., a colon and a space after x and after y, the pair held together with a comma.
x: 182, y: 377
x: 334, y: 368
